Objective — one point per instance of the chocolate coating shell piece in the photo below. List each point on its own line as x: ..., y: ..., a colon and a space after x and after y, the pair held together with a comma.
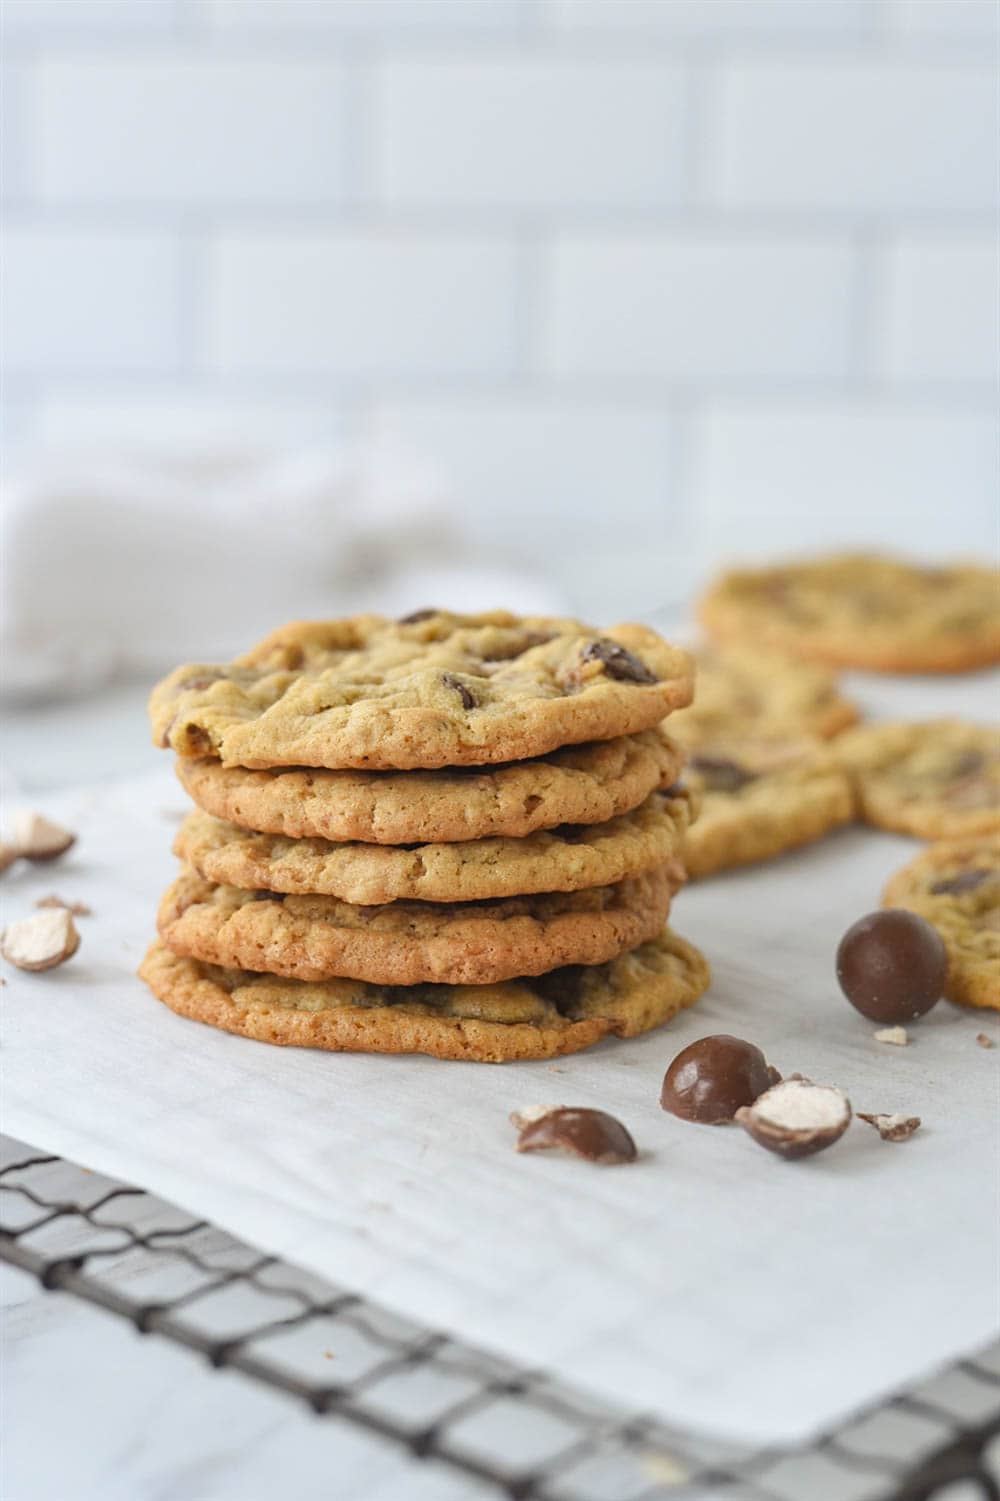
x: 712, y: 1078
x: 592, y: 1134
x: 892, y: 965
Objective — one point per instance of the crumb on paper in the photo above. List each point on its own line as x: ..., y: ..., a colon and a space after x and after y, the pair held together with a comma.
x: 664, y: 1469
x: 328, y: 1355
x: 78, y: 909
x: 892, y: 1127
x: 984, y: 1041
x: 897, y: 1037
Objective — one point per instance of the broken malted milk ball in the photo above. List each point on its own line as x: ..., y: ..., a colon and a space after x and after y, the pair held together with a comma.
x: 712, y: 1078
x: 38, y: 838
x: 797, y: 1117
x: 591, y: 1134
x: 892, y: 965
x: 892, y: 1127
x: 41, y: 941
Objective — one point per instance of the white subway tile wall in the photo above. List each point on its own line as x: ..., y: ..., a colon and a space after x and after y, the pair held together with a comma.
x: 645, y: 282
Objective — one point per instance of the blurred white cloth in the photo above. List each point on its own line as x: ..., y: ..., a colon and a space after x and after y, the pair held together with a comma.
x: 112, y: 564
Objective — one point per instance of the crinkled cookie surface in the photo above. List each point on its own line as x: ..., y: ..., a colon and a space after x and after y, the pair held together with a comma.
x: 434, y: 689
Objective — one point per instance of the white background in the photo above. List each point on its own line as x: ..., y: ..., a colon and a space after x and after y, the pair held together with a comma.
x: 644, y: 280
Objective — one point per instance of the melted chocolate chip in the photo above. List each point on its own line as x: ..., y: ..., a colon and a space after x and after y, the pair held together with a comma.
x: 416, y: 617
x: 720, y: 774
x: 562, y: 988
x: 618, y: 663
x: 591, y: 1134
x: 571, y: 833
x: 268, y: 896
x: 892, y: 965
x: 955, y: 885
x: 711, y: 1079
x: 197, y: 742
x: 464, y: 692
x: 967, y: 763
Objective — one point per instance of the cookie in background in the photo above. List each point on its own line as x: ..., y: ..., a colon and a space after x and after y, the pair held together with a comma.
x: 955, y: 885
x: 737, y: 687
x: 762, y: 791
x: 939, y: 779
x: 862, y: 610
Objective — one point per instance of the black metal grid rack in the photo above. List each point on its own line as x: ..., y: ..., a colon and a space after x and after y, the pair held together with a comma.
x: 520, y: 1433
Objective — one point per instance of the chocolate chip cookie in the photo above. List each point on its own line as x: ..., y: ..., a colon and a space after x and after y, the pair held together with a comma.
x: 413, y: 943
x: 552, y: 1014
x: 938, y: 780
x: 431, y: 690
x: 955, y: 885
x: 580, y: 784
x: 741, y: 687
x: 863, y: 610
x: 566, y: 858
x: 762, y: 792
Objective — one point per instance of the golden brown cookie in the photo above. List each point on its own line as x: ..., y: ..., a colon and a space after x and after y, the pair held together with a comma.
x: 431, y: 690
x: 863, y: 610
x: 557, y: 1013
x: 580, y: 784
x: 762, y: 793
x: 955, y: 885
x: 737, y: 687
x: 562, y: 859
x: 413, y: 943
x: 939, y: 779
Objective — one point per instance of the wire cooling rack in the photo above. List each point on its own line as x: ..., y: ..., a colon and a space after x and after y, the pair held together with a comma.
x: 512, y: 1432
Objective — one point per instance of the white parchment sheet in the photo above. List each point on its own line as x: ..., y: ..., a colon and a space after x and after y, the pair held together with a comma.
x: 710, y: 1282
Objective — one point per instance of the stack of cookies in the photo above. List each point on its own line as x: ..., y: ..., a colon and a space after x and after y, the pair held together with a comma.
x: 457, y: 835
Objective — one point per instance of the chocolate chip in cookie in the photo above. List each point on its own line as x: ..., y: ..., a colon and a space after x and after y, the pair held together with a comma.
x: 617, y: 661
x: 462, y: 689
x: 720, y: 774
x: 956, y: 885
x: 561, y: 987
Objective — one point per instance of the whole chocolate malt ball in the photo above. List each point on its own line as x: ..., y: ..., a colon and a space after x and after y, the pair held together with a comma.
x: 712, y: 1078
x: 892, y: 965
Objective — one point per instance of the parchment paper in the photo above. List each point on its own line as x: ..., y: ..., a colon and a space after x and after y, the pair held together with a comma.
x: 710, y: 1282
